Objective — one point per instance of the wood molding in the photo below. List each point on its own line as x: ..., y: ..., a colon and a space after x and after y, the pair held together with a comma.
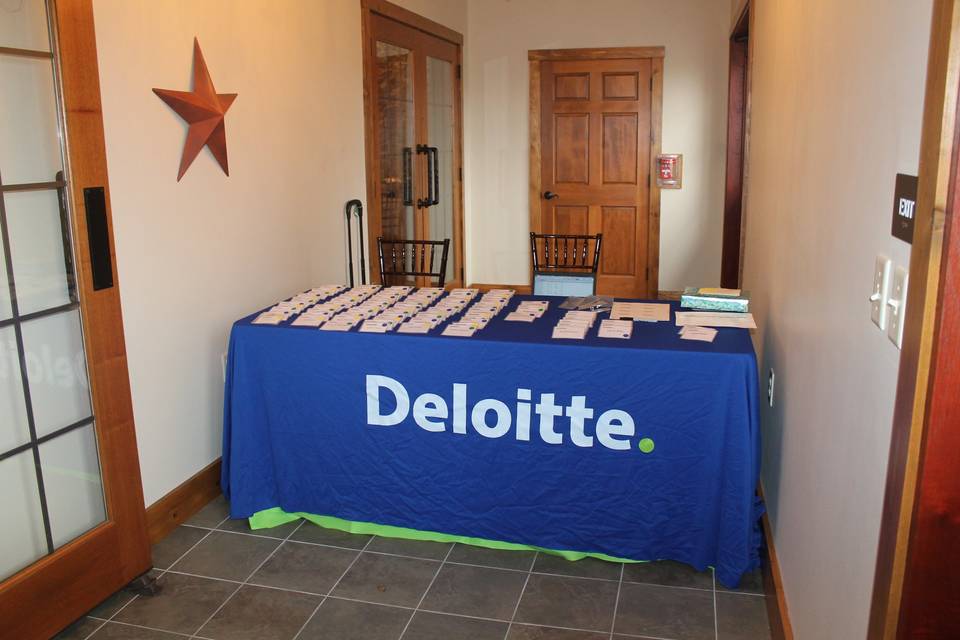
x: 521, y: 289
x: 653, y: 217
x: 605, y: 53
x: 175, y: 508
x: 412, y: 19
x: 737, y: 98
x: 669, y: 295
x: 937, y: 145
x: 777, y: 613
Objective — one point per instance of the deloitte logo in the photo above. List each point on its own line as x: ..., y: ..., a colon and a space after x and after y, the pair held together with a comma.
x: 492, y: 418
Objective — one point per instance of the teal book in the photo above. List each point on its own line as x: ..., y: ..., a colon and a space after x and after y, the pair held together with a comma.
x: 714, y: 299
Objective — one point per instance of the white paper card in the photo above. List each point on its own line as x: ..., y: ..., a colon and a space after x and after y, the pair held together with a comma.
x: 622, y: 329
x: 704, y: 334
x: 713, y: 319
x: 645, y: 311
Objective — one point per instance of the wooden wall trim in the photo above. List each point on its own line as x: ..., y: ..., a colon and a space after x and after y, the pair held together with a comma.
x: 937, y: 144
x: 522, y: 289
x: 777, y: 612
x: 175, y: 508
x: 653, y: 217
x: 536, y: 180
x: 412, y: 19
x: 732, y: 245
x: 605, y: 53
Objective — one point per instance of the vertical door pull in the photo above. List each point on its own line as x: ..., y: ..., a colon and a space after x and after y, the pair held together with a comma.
x: 407, y: 177
x: 435, y: 194
x: 98, y: 237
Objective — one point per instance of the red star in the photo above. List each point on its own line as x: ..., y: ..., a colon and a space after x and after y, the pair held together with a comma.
x: 203, y: 109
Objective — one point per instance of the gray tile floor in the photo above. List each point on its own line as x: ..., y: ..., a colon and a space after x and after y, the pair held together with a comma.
x: 300, y: 581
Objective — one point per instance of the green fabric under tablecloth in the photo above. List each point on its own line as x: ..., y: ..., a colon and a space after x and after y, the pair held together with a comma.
x: 275, y: 517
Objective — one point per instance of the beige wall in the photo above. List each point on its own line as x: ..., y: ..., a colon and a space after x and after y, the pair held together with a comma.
x: 501, y: 32
x: 837, y: 97
x: 197, y: 255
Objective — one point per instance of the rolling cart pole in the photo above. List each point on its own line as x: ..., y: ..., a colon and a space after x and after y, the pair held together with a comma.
x: 349, y: 241
x: 358, y: 206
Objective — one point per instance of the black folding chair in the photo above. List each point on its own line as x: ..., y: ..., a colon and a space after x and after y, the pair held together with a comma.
x: 564, y: 264
x: 402, y: 259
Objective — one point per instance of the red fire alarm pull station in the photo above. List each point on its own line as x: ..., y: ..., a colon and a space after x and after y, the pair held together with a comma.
x: 670, y: 170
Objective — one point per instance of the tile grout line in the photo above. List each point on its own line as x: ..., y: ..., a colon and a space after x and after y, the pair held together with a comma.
x: 516, y: 608
x: 140, y: 626
x: 159, y: 575
x: 716, y: 626
x: 616, y: 603
x: 335, y: 585
x: 469, y: 564
x: 429, y: 586
x: 242, y: 584
x: 99, y: 626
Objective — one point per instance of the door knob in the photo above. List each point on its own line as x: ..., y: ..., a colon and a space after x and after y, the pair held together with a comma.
x: 550, y: 195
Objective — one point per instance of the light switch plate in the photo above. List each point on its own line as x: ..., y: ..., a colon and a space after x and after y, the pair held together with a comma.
x: 897, y: 303
x: 878, y: 299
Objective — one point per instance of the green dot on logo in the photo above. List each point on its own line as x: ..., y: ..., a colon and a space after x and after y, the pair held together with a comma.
x: 646, y: 445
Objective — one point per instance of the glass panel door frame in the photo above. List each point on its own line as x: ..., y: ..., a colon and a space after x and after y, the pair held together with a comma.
x: 64, y: 584
x: 383, y: 20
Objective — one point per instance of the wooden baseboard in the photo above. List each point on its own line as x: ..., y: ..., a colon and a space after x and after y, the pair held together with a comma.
x: 173, y: 509
x: 522, y: 289
x: 780, y: 628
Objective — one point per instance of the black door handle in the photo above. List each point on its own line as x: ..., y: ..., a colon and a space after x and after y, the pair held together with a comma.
x: 435, y: 199
x: 550, y: 195
x: 407, y: 176
x: 433, y: 176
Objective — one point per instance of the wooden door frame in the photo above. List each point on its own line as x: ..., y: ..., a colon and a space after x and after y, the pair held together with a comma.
x: 371, y: 160
x: 59, y: 588
x: 918, y: 388
x: 655, y: 55
x: 738, y: 137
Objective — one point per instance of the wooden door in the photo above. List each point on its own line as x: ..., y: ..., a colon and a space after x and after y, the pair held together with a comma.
x: 75, y: 527
x: 413, y: 132
x: 598, y: 131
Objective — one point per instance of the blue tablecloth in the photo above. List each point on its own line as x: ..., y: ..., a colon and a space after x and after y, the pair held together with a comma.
x: 337, y: 424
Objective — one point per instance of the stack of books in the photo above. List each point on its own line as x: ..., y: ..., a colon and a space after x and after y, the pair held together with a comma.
x: 715, y: 299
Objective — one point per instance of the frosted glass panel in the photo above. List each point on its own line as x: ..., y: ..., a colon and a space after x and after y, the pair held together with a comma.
x: 13, y: 413
x: 23, y: 539
x: 440, y: 130
x: 30, y: 140
x: 71, y: 478
x: 23, y: 25
x: 37, y: 239
x: 6, y: 311
x: 398, y: 157
x: 56, y: 369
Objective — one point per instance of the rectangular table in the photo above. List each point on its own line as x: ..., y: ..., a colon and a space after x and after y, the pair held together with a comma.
x: 639, y: 449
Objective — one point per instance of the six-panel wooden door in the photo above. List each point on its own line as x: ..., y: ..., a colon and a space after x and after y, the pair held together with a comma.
x: 596, y: 134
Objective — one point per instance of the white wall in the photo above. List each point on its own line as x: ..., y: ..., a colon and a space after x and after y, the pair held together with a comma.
x: 837, y: 97
x: 194, y: 256
x: 500, y: 33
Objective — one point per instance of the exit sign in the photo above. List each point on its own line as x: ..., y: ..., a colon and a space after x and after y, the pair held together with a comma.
x: 904, y: 207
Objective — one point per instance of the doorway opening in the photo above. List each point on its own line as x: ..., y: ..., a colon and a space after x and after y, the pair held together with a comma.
x: 738, y: 126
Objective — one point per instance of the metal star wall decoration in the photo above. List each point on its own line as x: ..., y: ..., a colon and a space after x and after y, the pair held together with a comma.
x: 203, y: 109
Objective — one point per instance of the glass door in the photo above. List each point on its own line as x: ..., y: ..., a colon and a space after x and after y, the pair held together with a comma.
x: 414, y: 146
x: 50, y: 484
x: 51, y: 449
x: 397, y: 141
x: 441, y: 219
